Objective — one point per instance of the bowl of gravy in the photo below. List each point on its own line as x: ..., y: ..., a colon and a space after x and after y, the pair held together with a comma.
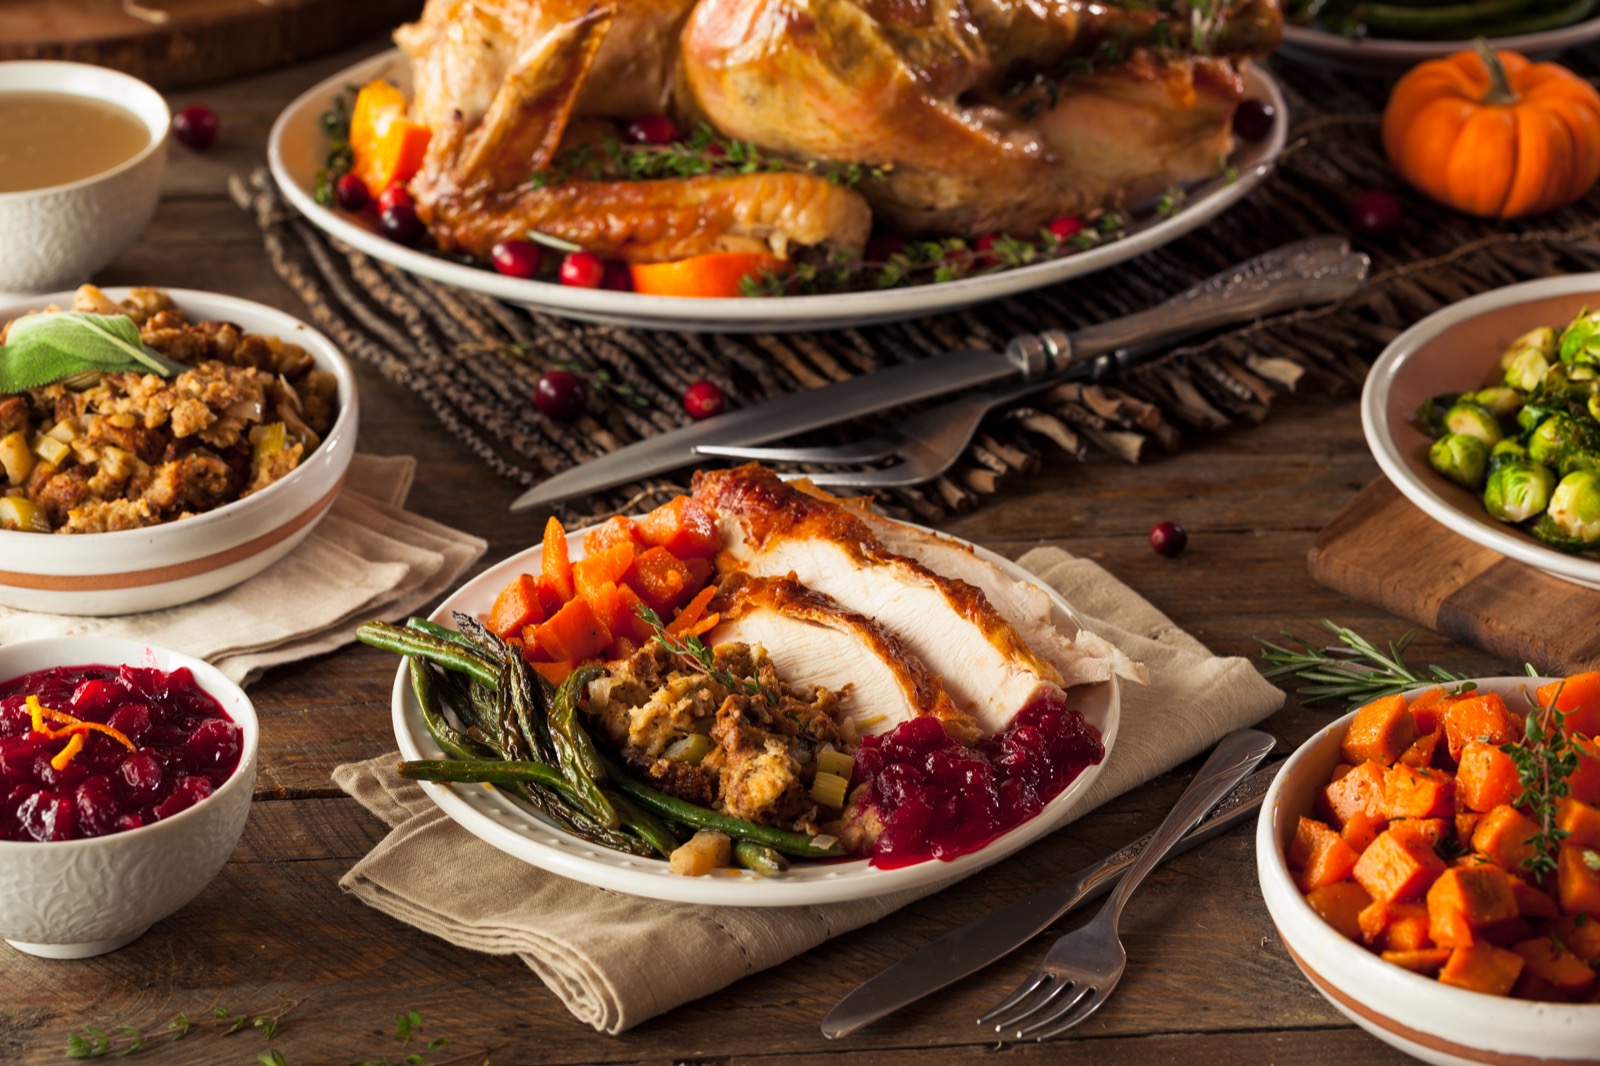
x: 82, y: 154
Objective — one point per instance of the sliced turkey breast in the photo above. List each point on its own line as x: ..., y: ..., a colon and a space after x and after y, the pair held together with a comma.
x: 770, y: 529
x: 812, y: 640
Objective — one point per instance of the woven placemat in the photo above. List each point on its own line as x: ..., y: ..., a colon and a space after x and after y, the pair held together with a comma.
x: 475, y: 360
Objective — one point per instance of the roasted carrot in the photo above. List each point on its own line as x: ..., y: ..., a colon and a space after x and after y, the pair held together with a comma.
x: 683, y: 527
x: 516, y: 607
x: 556, y: 563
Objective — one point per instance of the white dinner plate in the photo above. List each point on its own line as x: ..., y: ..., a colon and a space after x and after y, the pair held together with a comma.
x: 1378, y: 55
x: 297, y: 150
x: 1457, y: 349
x: 493, y: 817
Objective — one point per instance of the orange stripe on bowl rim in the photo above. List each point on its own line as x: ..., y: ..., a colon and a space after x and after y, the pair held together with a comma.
x: 160, y: 575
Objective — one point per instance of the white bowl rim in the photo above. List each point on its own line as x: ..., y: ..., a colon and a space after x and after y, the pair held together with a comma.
x: 206, y: 676
x: 293, y: 328
x: 158, y: 131
x: 1428, y: 997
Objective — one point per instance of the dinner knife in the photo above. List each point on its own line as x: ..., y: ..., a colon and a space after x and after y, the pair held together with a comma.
x: 975, y: 945
x: 1305, y: 272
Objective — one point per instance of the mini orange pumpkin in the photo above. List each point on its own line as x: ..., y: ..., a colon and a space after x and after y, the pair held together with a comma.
x: 1492, y: 134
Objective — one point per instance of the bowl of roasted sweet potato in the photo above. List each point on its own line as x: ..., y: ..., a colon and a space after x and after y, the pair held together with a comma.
x: 1432, y: 863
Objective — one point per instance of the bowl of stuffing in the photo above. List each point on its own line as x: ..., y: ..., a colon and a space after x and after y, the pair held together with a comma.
x: 126, y: 771
x: 1405, y: 857
x: 80, y: 169
x: 159, y: 446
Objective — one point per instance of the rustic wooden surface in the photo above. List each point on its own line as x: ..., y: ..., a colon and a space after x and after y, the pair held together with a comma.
x: 1382, y: 549
x: 1209, y: 980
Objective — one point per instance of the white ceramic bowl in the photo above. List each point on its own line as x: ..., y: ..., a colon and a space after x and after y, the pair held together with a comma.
x: 1433, y: 1022
x: 76, y: 898
x: 178, y: 562
x: 62, y: 234
x: 1456, y: 349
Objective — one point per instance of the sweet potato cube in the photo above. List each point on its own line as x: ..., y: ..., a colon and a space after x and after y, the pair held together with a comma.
x: 555, y: 673
x: 662, y: 580
x: 1408, y: 926
x: 592, y: 574
x: 618, y: 529
x: 1417, y: 792
x: 1534, y: 902
x: 1426, y: 709
x: 1361, y: 830
x: 516, y: 607
x: 1341, y: 905
x: 1584, y: 781
x: 1467, y: 898
x: 1580, y: 934
x: 1466, y: 822
x: 1484, y: 717
x: 1552, y: 961
x: 683, y: 527
x: 1578, y: 880
x: 1579, y: 820
x: 1358, y: 792
x: 1425, y: 961
x: 1380, y: 731
x: 1486, y: 777
x: 1482, y: 967
x: 1320, y: 854
x: 1506, y: 836
x: 573, y: 633
x: 1579, y: 697
x: 1396, y: 866
x: 1420, y: 753
x: 556, y: 564
x: 1426, y: 830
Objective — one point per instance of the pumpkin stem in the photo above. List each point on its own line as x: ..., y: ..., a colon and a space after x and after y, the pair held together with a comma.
x: 1500, y: 93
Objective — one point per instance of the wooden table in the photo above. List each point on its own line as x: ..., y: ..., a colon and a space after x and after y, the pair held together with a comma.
x: 1210, y: 981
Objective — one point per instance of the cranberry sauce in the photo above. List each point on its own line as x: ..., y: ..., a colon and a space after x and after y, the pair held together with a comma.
x: 184, y: 747
x: 940, y: 799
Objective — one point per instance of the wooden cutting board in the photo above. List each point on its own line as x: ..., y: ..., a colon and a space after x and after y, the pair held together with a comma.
x: 176, y: 43
x: 1381, y: 549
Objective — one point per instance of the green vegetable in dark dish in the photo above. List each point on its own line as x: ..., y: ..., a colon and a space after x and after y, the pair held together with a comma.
x: 1580, y: 341
x: 1506, y: 450
x: 1461, y: 458
x: 1558, y: 436
x: 1518, y: 490
x: 1501, y: 401
x: 1430, y: 413
x: 1473, y: 420
x: 1525, y: 369
x: 1575, y: 508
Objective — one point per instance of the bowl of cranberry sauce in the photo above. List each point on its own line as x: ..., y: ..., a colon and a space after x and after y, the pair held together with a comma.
x: 126, y: 772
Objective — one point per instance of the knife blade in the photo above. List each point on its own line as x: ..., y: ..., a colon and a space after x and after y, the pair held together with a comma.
x: 975, y: 945
x: 1309, y: 271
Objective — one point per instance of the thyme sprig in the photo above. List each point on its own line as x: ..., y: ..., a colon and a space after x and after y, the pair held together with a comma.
x: 693, y: 652
x: 1354, y: 670
x: 1545, y: 759
x: 408, y: 1028
x: 94, y: 1042
x: 335, y: 123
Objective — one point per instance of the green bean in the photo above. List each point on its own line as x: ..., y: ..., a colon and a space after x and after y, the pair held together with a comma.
x: 575, y: 754
x: 1402, y: 19
x: 650, y: 828
x: 446, y: 654
x: 1539, y: 22
x: 434, y: 629
x: 759, y: 859
x: 676, y: 810
x: 444, y: 734
x: 495, y: 772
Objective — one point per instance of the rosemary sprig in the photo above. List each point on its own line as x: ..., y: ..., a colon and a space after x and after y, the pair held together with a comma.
x: 1545, y: 759
x: 336, y: 124
x: 93, y: 1042
x: 693, y: 651
x: 1356, y: 672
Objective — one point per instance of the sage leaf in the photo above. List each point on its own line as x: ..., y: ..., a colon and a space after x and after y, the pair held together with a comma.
x: 45, y: 348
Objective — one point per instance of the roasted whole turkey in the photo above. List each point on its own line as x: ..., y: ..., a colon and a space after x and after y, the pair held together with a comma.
x: 974, y: 116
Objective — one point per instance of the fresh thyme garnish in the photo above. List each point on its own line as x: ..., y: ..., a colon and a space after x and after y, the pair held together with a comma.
x: 92, y: 1042
x: 694, y: 652
x: 1357, y: 672
x: 336, y: 124
x: 1545, y: 759
x: 407, y: 1028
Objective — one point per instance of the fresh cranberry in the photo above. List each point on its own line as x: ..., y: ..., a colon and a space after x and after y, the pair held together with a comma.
x: 617, y: 276
x: 583, y: 270
x: 1066, y: 227
x: 1253, y: 119
x: 1376, y: 215
x: 195, y: 126
x: 559, y: 394
x: 401, y: 224
x: 651, y: 129
x: 703, y: 399
x: 983, y: 248
x: 351, y: 193
x: 516, y: 258
x: 396, y: 195
x: 1169, y: 539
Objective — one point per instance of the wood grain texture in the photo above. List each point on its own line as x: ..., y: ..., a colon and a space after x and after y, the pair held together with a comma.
x: 1382, y: 549
x: 1209, y: 981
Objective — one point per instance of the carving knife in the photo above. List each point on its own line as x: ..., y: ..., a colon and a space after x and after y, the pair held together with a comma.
x: 975, y: 945
x: 1305, y: 272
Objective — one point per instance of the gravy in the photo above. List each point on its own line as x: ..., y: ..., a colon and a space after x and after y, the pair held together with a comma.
x: 54, y: 138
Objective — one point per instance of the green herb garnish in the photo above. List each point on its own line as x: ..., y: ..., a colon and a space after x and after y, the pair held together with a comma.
x: 694, y: 652
x: 45, y: 348
x: 1356, y: 672
x: 1545, y: 759
x: 341, y: 157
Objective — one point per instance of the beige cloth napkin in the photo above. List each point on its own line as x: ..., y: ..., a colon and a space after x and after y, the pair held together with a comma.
x: 586, y: 943
x: 367, y: 558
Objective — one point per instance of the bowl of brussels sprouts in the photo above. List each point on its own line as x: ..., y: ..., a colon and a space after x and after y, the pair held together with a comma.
x: 1486, y: 416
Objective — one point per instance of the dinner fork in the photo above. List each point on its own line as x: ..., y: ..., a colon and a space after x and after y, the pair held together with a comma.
x: 1082, y: 968
x: 926, y: 444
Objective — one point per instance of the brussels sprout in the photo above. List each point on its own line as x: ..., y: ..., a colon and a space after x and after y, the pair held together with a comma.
x: 1526, y: 369
x: 1502, y: 401
x: 1461, y: 458
x: 1506, y: 450
x: 1474, y: 420
x: 1517, y: 490
x: 1577, y: 459
x: 1593, y: 406
x: 1541, y: 339
x: 1557, y: 435
x: 1574, y: 509
x: 1566, y: 387
x: 1430, y: 413
x: 1580, y: 341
